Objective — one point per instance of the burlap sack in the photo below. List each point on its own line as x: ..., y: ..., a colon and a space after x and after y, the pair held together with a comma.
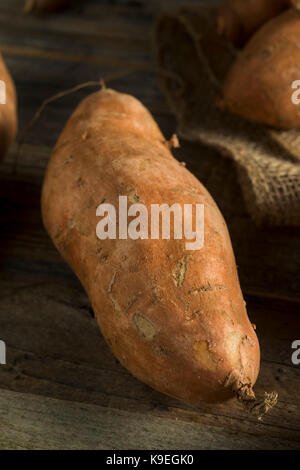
x: 192, y: 61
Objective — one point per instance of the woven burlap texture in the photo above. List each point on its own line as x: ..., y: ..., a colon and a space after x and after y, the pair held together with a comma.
x: 192, y: 62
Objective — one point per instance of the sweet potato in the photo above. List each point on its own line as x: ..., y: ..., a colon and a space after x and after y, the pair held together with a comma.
x: 45, y: 6
x: 175, y: 318
x: 8, y: 109
x: 258, y: 85
x: 239, y: 19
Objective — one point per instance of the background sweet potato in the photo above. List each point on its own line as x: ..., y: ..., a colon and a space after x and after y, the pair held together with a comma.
x: 8, y: 110
x: 258, y: 86
x: 175, y: 318
x: 239, y: 19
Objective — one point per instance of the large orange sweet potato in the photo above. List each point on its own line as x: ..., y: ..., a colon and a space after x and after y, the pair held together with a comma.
x: 174, y: 317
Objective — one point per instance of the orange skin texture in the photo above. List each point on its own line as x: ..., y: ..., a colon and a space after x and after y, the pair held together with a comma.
x: 258, y: 85
x: 239, y: 19
x: 8, y: 111
x: 184, y: 337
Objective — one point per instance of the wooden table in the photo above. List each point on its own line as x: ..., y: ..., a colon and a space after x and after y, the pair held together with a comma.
x: 61, y: 386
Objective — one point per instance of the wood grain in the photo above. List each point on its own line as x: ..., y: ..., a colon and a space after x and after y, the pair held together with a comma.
x: 38, y: 423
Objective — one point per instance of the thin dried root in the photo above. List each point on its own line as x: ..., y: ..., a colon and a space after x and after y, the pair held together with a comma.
x: 256, y: 407
x: 102, y: 82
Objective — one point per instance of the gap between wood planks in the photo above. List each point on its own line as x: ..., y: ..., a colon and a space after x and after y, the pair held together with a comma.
x: 75, y: 58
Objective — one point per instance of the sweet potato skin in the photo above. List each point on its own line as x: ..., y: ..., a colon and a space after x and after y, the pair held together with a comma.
x: 238, y: 20
x: 258, y: 86
x: 175, y: 319
x: 8, y: 111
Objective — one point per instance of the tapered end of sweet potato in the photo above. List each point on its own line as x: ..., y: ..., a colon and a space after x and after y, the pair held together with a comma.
x: 242, y: 388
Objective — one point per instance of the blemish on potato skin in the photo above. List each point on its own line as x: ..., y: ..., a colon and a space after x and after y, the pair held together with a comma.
x: 160, y: 351
x: 79, y: 182
x: 83, y: 230
x: 233, y: 344
x: 132, y: 301
x: 206, y: 358
x: 65, y: 162
x: 144, y: 326
x: 208, y: 288
x: 112, y: 282
x: 157, y: 294
x: 72, y: 223
x: 104, y: 258
x: 227, y: 317
x: 144, y: 165
x: 113, y: 300
x: 65, y: 230
x: 133, y: 198
x: 193, y: 315
x: 250, y: 340
x: 115, y: 303
x: 124, y: 360
x: 185, y: 192
x: 179, y: 272
x: 266, y: 53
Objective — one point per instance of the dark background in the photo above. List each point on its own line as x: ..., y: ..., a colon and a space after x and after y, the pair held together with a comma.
x: 61, y: 387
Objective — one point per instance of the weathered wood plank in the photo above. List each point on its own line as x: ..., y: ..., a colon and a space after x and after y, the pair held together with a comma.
x: 31, y: 422
x: 54, y: 348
